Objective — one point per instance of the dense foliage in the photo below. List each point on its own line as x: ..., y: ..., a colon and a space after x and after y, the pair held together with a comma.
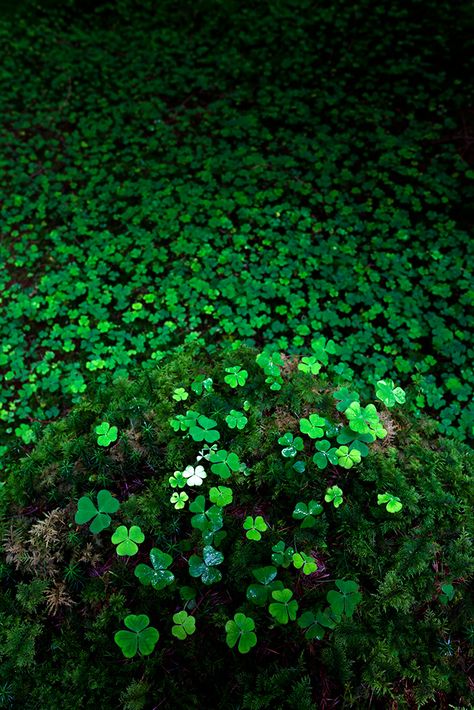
x: 239, y: 172
x: 238, y: 532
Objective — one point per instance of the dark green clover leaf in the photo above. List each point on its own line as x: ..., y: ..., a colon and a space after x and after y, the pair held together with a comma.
x: 86, y: 510
x: 205, y: 520
x: 141, y: 637
x: 324, y: 454
x: 202, y: 429
x: 236, y: 420
x: 106, y: 434
x: 355, y: 440
x: 223, y: 463
x: 236, y: 377
x: 389, y: 394
x: 447, y: 593
x: 345, y: 398
x: 259, y: 593
x: 316, y: 624
x: 158, y: 575
x: 346, y: 599
x: 306, y: 513
x: 284, y: 608
x: 127, y: 541
x: 291, y: 445
x: 240, y: 631
x: 201, y: 384
x: 206, y: 567
x: 282, y: 556
x: 322, y: 348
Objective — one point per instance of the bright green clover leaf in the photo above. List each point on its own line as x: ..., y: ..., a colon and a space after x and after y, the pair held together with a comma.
x: 310, y: 364
x: 221, y: 496
x: 194, y: 475
x: 394, y: 505
x: 158, y: 576
x: 223, y: 463
x: 25, y: 433
x: 378, y: 430
x: 236, y: 377
x: 179, y: 500
x: 345, y: 398
x: 205, y: 520
x: 316, y: 624
x: 291, y: 445
x: 324, y: 454
x: 236, y: 420
x: 185, y: 625
x: 177, y: 480
x: 140, y: 637
x: 86, y: 510
x: 240, y: 631
x: 202, y: 429
x: 106, y: 434
x: 205, y: 567
x: 303, y: 561
x: 259, y: 593
x: 183, y: 422
x: 322, y: 348
x: 389, y: 394
x: 306, y: 513
x: 334, y: 496
x: 362, y: 419
x: 246, y: 405
x: 127, y: 541
x: 180, y: 394
x: 346, y: 599
x: 447, y: 593
x: 282, y: 556
x: 283, y: 609
x: 201, y: 384
x: 347, y: 457
x: 356, y: 441
x: 254, y: 527
x: 313, y: 426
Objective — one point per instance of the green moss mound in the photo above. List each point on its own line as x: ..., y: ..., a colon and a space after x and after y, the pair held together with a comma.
x: 293, y: 598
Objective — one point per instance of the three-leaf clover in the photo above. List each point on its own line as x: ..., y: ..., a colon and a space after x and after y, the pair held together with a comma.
x: 106, y: 434
x: 206, y: 567
x: 185, y: 625
x: 356, y: 441
x: 236, y: 377
x: 202, y: 383
x: 316, y: 624
x: 194, y: 475
x: 291, y: 445
x: 236, y: 420
x: 258, y: 593
x: 389, y: 394
x: 140, y: 637
x: 183, y: 422
x: 362, y: 419
x: 254, y: 527
x: 158, y: 575
x: 347, y: 457
x: 284, y: 608
x: 223, y: 463
x: 240, y: 631
x: 127, y: 541
x: 177, y: 480
x: 334, y: 496
x: 221, y: 496
x: 313, y: 426
x: 282, y: 556
x: 179, y: 500
x: 205, y: 520
x: 394, y: 505
x: 180, y: 394
x: 310, y: 364
x: 324, y: 454
x: 346, y: 599
x: 202, y: 429
x: 322, y: 348
x: 447, y: 593
x: 86, y: 510
x: 303, y: 561
x: 345, y: 398
x: 306, y: 513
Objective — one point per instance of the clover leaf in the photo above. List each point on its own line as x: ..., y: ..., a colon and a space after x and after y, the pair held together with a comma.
x: 291, y: 445
x: 303, y: 561
x: 254, y: 527
x: 306, y: 513
x: 282, y: 556
x: 180, y: 394
x: 221, y: 496
x: 202, y: 429
x: 394, y: 505
x: 324, y: 454
x: 194, y: 475
x: 236, y: 420
x: 177, y: 480
x: 86, y: 510
x: 205, y: 520
x: 223, y: 463
x: 284, y: 608
x: 205, y: 567
x: 362, y: 419
x: 356, y: 441
x: 346, y: 599
x: 179, y: 500
x: 322, y: 348
x: 447, y: 593
x: 236, y: 377
x: 310, y: 364
x: 345, y: 398
x: 240, y: 631
x: 127, y: 541
x: 313, y: 426
x: 201, y: 384
x: 389, y: 394
x: 158, y: 576
x: 316, y: 624
x: 106, y: 434
x: 140, y: 637
x: 185, y: 625
x: 259, y: 593
x: 183, y: 422
x: 347, y: 457
x: 334, y: 496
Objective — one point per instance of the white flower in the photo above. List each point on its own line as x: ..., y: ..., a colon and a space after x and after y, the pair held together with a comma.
x: 195, y: 476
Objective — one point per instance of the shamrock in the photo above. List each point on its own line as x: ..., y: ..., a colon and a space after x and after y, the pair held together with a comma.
x: 25, y: 433
x: 206, y: 452
x: 179, y: 500
x: 356, y: 441
x: 236, y: 376
x: 258, y: 593
x: 302, y: 560
x: 86, y: 510
x: 185, y: 625
x: 159, y: 576
x: 347, y: 457
x: 310, y: 364
x: 236, y: 419
x: 316, y: 624
x: 299, y: 466
x: 282, y: 556
x: 448, y: 593
x: 202, y: 383
x: 334, y: 496
x: 361, y: 419
x: 106, y: 434
x: 283, y: 609
x: 241, y: 630
x: 205, y: 520
x: 324, y: 454
x: 221, y: 496
x: 346, y: 599
x: 205, y: 567
x: 180, y: 394
x: 313, y: 426
x: 177, y: 480
x: 126, y: 540
x: 345, y: 398
x: 389, y: 394
x: 254, y: 527
x: 322, y: 348
x: 307, y: 512
x: 194, y: 476
x: 202, y: 429
x: 291, y: 445
x: 183, y: 422
x: 139, y: 638
x: 223, y: 463
x: 394, y: 505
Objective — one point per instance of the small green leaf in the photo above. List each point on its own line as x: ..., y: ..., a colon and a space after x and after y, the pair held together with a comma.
x: 240, y: 631
x: 185, y: 625
x: 140, y: 638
